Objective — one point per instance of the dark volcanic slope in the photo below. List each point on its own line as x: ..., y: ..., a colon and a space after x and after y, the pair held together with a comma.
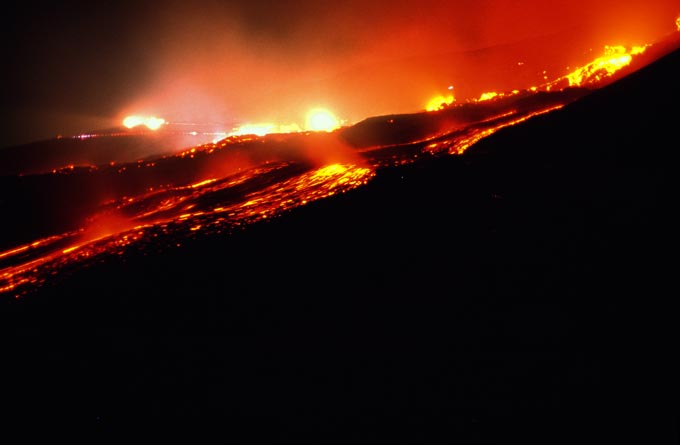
x: 107, y: 145
x: 520, y: 291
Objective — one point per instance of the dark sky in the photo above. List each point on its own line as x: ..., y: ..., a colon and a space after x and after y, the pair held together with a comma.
x: 70, y: 67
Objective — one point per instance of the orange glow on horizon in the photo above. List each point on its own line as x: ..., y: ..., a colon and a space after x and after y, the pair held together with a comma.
x: 151, y: 122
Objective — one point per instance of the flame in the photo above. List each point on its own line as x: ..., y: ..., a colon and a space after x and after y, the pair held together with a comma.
x: 321, y: 119
x: 151, y: 122
x: 613, y: 59
x: 439, y: 102
x: 677, y: 23
x: 487, y: 96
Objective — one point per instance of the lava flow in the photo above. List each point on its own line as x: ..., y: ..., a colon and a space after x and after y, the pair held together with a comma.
x: 213, y: 189
x: 210, y: 207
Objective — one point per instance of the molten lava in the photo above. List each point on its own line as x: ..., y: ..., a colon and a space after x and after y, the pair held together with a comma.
x: 208, y: 207
x: 439, y: 102
x: 613, y: 59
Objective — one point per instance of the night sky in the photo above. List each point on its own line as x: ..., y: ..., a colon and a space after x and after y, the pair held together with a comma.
x: 70, y: 67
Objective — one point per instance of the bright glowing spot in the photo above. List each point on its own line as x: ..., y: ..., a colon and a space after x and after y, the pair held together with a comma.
x: 151, y: 122
x: 439, y: 102
x: 331, y: 170
x: 202, y: 183
x: 677, y: 22
x: 614, y: 58
x: 638, y: 50
x: 487, y: 96
x: 320, y: 119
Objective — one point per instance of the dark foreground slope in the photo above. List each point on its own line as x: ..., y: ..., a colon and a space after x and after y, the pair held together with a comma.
x: 520, y: 291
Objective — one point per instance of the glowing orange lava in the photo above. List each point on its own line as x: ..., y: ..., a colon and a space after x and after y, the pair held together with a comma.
x: 613, y: 59
x: 175, y: 210
x: 439, y: 102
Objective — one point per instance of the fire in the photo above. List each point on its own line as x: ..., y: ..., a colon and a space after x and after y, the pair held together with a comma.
x: 614, y: 58
x: 677, y: 23
x: 487, y: 96
x: 151, y: 122
x: 439, y: 102
x: 321, y: 119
